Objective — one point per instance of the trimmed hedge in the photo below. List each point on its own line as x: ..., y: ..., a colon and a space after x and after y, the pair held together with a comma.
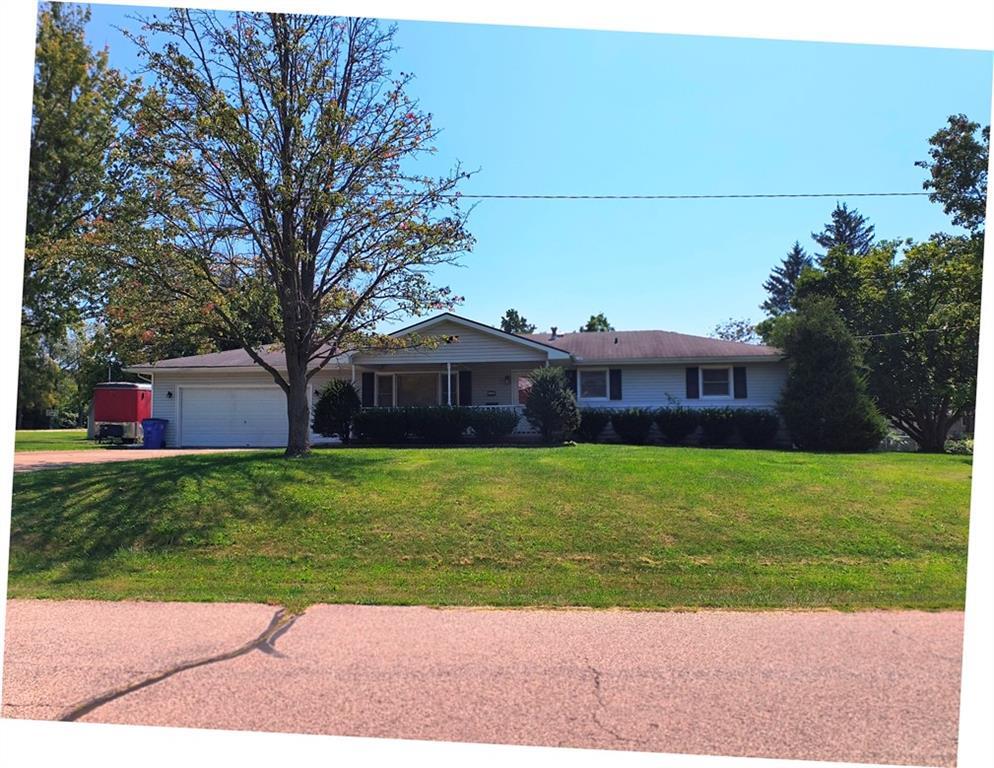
x: 633, y: 424
x: 436, y: 424
x: 717, y: 425
x: 676, y: 424
x: 381, y: 425
x: 491, y: 424
x: 592, y: 423
x: 336, y: 409
x: 757, y: 427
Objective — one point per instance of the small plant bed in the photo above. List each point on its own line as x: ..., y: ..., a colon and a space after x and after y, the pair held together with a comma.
x: 589, y: 525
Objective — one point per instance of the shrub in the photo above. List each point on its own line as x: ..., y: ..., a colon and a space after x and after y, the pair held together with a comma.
x: 382, y: 425
x: 551, y: 405
x: 633, y: 424
x: 491, y: 424
x: 336, y: 408
x: 592, y: 423
x: 438, y: 424
x: 757, y: 426
x: 717, y: 425
x: 962, y: 447
x: 676, y: 424
x: 824, y: 401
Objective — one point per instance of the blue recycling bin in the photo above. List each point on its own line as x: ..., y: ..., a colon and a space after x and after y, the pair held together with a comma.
x: 153, y: 433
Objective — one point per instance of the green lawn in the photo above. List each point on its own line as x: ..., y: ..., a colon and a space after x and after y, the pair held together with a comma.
x: 52, y: 440
x: 590, y: 525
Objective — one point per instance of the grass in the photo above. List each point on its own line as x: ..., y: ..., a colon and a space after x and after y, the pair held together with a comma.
x: 591, y: 525
x: 52, y: 440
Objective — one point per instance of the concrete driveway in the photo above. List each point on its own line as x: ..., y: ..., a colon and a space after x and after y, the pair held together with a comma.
x: 863, y: 687
x: 25, y: 461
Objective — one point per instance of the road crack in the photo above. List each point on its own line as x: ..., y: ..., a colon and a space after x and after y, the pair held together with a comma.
x: 279, y: 624
x: 601, y: 705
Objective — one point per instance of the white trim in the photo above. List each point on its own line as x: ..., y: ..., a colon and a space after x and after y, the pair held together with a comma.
x: 579, y: 384
x: 552, y: 353
x: 731, y: 383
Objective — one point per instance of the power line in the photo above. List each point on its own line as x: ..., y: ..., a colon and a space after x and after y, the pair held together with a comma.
x: 761, y: 195
x: 903, y: 333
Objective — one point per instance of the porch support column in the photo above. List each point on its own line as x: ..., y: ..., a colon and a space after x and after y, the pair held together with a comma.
x: 448, y: 382
x: 353, y: 374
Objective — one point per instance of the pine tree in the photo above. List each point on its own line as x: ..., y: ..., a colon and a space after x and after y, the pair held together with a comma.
x: 848, y: 229
x: 783, y: 279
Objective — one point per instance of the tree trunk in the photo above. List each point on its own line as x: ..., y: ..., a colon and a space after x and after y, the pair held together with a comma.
x: 298, y: 413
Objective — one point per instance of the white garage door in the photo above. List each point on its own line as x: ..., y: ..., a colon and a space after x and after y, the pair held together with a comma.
x: 232, y: 417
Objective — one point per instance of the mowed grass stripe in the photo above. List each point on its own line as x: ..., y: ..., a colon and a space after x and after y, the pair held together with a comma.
x: 591, y: 525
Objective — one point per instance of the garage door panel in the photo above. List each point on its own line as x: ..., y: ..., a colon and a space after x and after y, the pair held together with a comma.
x: 233, y: 416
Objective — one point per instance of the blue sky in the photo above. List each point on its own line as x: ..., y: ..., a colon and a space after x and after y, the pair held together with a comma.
x: 582, y: 112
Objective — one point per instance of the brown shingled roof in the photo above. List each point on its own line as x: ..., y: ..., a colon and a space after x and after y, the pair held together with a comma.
x: 651, y: 345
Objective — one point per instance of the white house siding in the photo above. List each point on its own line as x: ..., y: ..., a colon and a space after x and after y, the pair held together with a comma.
x: 165, y: 407
x: 653, y: 386
x: 471, y: 347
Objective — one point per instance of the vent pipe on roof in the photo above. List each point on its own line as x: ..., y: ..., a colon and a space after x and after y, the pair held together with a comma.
x: 554, y: 329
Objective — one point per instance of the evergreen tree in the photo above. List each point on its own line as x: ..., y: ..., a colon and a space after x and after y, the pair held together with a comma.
x: 512, y: 322
x: 824, y: 402
x: 783, y: 279
x: 848, y: 229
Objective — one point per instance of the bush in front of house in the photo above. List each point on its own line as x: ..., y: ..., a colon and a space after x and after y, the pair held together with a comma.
x: 824, y: 401
x: 633, y: 424
x: 717, y: 425
x: 757, y: 427
x: 676, y: 424
x: 961, y: 447
x: 551, y: 405
x: 491, y: 424
x: 437, y: 424
x: 336, y: 409
x: 381, y: 425
x: 592, y: 423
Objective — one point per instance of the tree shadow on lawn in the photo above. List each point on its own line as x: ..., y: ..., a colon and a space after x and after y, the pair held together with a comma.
x: 78, y: 518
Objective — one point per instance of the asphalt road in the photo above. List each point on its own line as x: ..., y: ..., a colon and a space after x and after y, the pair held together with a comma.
x: 862, y: 687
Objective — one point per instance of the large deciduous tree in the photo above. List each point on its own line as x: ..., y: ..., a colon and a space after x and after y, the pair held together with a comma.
x: 513, y: 322
x: 736, y: 330
x: 78, y: 105
x: 915, y: 308
x: 597, y: 323
x: 957, y: 167
x: 274, y: 160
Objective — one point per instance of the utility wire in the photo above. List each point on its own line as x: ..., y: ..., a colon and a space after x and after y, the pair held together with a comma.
x: 903, y: 333
x: 465, y: 196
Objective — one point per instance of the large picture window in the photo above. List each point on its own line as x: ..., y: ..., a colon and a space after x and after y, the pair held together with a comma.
x: 715, y: 382
x: 593, y: 385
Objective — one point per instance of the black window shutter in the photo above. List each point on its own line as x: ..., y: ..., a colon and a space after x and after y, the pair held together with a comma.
x: 368, y: 395
x: 615, y: 383
x: 465, y: 387
x: 693, y: 384
x: 740, y: 382
x: 571, y: 379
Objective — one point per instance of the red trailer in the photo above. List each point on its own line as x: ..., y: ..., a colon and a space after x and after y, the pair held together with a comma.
x: 118, y: 410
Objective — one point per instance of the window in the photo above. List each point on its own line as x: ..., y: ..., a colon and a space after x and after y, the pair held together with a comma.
x: 715, y: 382
x: 593, y: 385
x: 417, y: 389
x: 384, y: 391
x: 524, y: 387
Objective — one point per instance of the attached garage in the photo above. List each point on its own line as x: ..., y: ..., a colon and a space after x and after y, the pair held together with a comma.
x: 231, y: 416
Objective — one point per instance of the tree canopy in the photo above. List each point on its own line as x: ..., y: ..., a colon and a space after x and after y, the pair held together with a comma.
x: 597, y: 323
x: 274, y: 185
x: 512, y: 322
x: 780, y: 285
x: 957, y: 167
x: 847, y: 229
x: 736, y: 330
